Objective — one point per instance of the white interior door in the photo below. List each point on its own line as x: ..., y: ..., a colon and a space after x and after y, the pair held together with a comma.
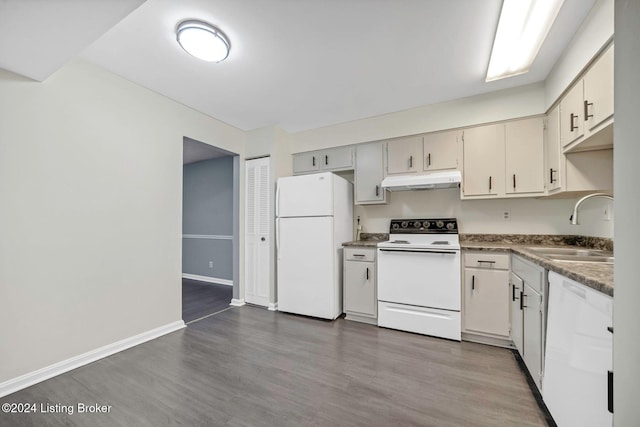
x: 257, y: 232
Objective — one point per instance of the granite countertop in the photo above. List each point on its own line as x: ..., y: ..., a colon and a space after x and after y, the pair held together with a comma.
x: 368, y: 240
x: 598, y: 276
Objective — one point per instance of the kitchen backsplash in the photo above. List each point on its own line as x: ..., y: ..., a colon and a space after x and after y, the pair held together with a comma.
x: 526, y: 216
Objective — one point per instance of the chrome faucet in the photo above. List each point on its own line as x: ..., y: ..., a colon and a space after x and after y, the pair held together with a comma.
x: 574, y: 215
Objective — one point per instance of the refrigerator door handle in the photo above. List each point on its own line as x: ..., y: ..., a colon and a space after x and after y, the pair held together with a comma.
x: 277, y: 200
x: 277, y: 238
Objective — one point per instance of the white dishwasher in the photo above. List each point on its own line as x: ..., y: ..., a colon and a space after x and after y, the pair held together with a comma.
x: 578, y: 355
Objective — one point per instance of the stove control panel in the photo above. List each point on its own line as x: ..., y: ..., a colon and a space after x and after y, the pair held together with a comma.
x: 424, y: 226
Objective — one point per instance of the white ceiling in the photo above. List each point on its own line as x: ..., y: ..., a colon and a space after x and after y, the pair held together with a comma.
x: 37, y: 37
x: 310, y: 63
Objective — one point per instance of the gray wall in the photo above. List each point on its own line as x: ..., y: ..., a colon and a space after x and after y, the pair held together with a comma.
x: 626, y: 314
x: 208, y: 212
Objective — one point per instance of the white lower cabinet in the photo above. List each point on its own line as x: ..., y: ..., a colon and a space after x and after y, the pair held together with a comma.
x: 486, y: 297
x: 517, y: 327
x: 359, y: 282
x: 578, y: 355
x: 528, y: 290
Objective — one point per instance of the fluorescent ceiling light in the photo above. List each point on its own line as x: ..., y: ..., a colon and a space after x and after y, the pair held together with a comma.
x: 523, y: 26
x: 203, y: 40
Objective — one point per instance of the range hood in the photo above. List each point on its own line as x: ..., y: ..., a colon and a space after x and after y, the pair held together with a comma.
x: 430, y: 181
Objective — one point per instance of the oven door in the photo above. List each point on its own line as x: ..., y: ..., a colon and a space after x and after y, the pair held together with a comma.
x: 421, y: 277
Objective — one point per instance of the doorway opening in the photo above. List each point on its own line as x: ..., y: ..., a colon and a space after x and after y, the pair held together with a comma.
x: 210, y: 229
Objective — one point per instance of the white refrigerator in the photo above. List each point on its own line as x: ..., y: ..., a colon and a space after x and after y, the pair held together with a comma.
x: 314, y: 216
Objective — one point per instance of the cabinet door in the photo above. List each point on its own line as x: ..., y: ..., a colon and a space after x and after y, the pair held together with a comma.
x: 555, y: 168
x: 517, y: 331
x: 440, y: 151
x: 571, y: 111
x: 532, y: 303
x: 340, y: 158
x: 403, y: 155
x: 306, y: 162
x: 524, y: 151
x: 486, y: 301
x: 359, y: 288
x: 369, y: 173
x: 483, y: 154
x: 598, y: 91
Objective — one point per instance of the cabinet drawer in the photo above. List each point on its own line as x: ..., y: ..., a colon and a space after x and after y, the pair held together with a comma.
x: 360, y: 254
x: 488, y: 260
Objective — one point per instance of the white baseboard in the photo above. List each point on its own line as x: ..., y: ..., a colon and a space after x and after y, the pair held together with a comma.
x: 273, y: 306
x: 237, y: 302
x: 207, y: 279
x: 31, y: 378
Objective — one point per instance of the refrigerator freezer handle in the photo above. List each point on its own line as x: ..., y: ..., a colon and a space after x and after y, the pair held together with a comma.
x: 277, y: 238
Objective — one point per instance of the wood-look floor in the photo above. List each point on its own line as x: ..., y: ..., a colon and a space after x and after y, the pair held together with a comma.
x: 248, y: 366
x: 200, y: 298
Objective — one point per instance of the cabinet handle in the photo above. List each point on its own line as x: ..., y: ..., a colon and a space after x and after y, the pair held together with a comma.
x: 586, y: 110
x: 514, y: 181
x: 573, y: 127
x: 522, y: 306
x: 313, y: 161
x: 473, y: 283
x: 488, y: 262
x: 410, y: 162
x: 513, y: 292
x: 358, y: 255
x: 610, y: 329
x: 377, y: 190
x: 610, y: 391
x: 367, y: 273
x: 551, y: 180
x: 429, y: 159
x: 489, y: 183
x: 326, y: 160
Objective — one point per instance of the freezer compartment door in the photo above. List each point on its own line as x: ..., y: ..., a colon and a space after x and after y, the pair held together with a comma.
x: 305, y: 195
x: 307, y: 258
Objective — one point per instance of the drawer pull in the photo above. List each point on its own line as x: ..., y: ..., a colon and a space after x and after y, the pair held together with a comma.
x: 359, y: 255
x: 487, y: 262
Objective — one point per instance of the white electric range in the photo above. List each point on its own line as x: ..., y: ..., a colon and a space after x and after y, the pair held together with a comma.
x: 419, y: 277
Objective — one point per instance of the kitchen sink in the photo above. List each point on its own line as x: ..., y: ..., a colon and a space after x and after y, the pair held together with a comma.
x: 574, y: 255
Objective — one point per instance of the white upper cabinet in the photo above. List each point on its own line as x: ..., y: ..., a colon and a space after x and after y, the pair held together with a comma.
x: 483, y: 161
x: 524, y: 156
x: 586, y: 111
x: 331, y: 159
x: 598, y: 91
x: 306, y: 162
x: 554, y: 161
x: 404, y: 155
x: 571, y: 108
x: 335, y: 159
x: 440, y: 150
x: 369, y: 173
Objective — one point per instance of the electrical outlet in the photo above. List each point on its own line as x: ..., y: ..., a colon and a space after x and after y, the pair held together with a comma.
x: 210, y: 264
x: 506, y: 215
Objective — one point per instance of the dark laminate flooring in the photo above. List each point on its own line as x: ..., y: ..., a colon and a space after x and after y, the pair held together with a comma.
x: 200, y: 298
x: 248, y: 366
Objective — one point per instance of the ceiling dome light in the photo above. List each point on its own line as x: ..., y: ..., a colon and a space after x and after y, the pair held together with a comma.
x: 203, y: 40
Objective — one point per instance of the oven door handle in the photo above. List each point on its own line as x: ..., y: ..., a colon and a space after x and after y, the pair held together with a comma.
x: 419, y: 251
